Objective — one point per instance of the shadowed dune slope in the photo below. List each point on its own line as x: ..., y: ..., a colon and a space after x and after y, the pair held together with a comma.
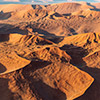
x: 69, y: 19
x: 30, y: 70
x: 12, y: 62
x: 50, y: 52
x: 97, y: 5
x: 24, y: 39
x: 38, y: 80
x: 87, y: 60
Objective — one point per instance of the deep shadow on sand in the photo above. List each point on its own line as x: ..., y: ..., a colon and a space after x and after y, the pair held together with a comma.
x: 2, y: 68
x: 5, y: 92
x: 38, y: 87
x: 77, y: 53
x: 93, y: 92
x: 46, y: 92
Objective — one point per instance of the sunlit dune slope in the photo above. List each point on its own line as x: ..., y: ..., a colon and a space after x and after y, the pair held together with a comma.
x: 33, y: 63
x: 50, y: 52
x: 84, y: 18
x: 84, y: 51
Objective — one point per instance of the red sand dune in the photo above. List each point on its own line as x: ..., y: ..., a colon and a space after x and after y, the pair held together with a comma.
x: 50, y: 52
x: 47, y: 68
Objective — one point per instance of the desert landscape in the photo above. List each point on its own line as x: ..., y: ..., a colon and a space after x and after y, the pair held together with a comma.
x: 50, y: 52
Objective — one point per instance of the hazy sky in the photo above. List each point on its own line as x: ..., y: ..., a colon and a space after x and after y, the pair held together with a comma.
x: 44, y: 1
